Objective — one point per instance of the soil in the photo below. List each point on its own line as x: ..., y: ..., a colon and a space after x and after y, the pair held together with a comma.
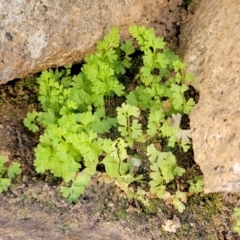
x: 34, y: 209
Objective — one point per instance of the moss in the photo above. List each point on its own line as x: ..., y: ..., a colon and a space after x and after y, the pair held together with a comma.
x: 120, y: 214
x: 153, y: 207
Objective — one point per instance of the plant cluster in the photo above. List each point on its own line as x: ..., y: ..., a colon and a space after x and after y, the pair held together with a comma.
x: 7, y: 173
x: 77, y: 119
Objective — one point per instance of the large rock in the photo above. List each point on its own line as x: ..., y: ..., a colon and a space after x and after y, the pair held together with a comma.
x: 36, y: 35
x: 210, y: 44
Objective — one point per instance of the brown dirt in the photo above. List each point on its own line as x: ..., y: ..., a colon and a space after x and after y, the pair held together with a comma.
x: 34, y: 209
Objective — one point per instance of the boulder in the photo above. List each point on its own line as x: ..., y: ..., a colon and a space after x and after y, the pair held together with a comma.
x: 210, y: 45
x: 37, y: 35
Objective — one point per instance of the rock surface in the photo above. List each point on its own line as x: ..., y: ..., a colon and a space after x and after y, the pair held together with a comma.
x: 210, y: 44
x: 37, y: 35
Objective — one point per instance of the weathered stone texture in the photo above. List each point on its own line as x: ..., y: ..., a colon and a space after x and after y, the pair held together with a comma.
x: 35, y: 35
x: 210, y: 44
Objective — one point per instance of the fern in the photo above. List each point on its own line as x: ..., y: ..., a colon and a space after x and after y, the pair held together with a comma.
x: 76, y: 123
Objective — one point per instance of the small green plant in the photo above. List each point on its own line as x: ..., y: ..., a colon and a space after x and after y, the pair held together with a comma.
x: 77, y: 118
x: 196, y: 185
x: 7, y: 173
x: 236, y: 215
